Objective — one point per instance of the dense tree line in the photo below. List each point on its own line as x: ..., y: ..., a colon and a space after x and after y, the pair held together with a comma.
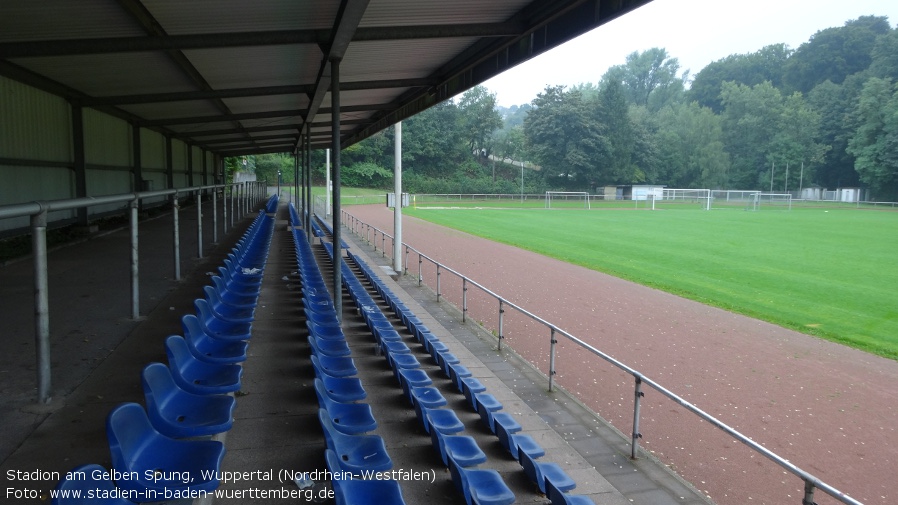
x: 828, y: 110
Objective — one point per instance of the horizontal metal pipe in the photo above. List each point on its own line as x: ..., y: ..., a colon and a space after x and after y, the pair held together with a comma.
x: 36, y: 207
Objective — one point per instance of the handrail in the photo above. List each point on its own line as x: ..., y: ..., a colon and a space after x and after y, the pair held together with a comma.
x: 241, y: 199
x: 811, y: 482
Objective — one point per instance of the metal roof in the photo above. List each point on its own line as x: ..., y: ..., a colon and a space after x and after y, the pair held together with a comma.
x: 247, y: 77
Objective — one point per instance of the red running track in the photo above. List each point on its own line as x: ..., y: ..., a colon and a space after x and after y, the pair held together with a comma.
x: 829, y: 409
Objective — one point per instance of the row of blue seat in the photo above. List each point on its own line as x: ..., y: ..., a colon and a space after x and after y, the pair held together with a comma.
x: 458, y: 452
x: 186, y: 398
x: 549, y: 477
x: 345, y: 419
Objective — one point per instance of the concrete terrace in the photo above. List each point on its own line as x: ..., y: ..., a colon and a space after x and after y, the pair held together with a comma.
x: 276, y: 426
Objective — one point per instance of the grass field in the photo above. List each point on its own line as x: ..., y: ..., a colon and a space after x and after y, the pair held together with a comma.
x: 832, y: 273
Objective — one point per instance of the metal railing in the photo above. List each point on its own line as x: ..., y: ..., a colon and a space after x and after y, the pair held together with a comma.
x: 238, y: 199
x: 811, y: 483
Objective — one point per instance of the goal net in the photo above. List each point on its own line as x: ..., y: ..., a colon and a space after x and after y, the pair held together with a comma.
x: 781, y: 201
x: 686, y: 197
x: 567, y: 199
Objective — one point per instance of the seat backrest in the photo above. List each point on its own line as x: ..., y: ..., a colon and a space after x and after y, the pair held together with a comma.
x: 212, y: 295
x: 219, y: 283
x: 158, y: 385
x: 203, y: 311
x: 324, y: 398
x: 530, y: 468
x: 460, y: 478
x: 128, y: 431
x: 555, y: 495
x: 192, y: 327
x: 178, y: 352
x: 505, y: 439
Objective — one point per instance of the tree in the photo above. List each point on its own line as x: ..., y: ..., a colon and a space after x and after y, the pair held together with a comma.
x: 835, y: 103
x: 432, y: 143
x: 750, y: 118
x: 751, y: 69
x: 875, y: 142
x: 649, y: 79
x: 564, y: 136
x: 834, y: 53
x: 691, y: 147
x: 478, y: 118
x: 613, y: 115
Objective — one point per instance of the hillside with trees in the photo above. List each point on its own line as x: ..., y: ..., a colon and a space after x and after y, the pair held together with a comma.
x: 828, y: 109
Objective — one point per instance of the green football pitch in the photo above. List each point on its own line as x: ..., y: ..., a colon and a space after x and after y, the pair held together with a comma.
x: 830, y: 273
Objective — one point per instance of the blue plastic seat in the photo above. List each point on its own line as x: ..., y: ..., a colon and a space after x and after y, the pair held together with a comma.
x: 335, y: 367
x: 175, y: 465
x: 177, y: 413
x: 542, y: 471
x: 211, y: 350
x: 219, y: 328
x: 355, y: 453
x: 349, y: 418
x: 444, y: 419
x: 332, y: 348
x: 471, y: 386
x: 343, y: 389
x: 325, y: 332
x: 457, y: 372
x: 410, y: 378
x: 226, y: 311
x: 81, y: 487
x: 480, y: 486
x: 428, y: 396
x: 515, y: 443
x: 558, y: 497
x: 463, y: 449
x: 198, y: 376
x: 360, y: 491
x: 235, y: 295
x: 240, y: 284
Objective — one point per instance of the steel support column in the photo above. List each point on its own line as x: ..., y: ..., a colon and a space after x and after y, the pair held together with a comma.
x: 135, y: 261
x: 137, y: 170
x: 41, y: 305
x: 199, y: 223
x: 176, y: 235
x: 308, y: 184
x: 397, y: 210
x: 335, y: 145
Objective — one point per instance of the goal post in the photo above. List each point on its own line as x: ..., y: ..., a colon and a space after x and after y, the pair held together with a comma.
x: 781, y: 201
x: 690, y: 197
x: 567, y: 199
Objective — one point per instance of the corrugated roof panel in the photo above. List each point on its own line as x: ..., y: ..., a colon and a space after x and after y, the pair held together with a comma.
x: 219, y: 16
x: 267, y: 103
x: 437, y: 12
x: 286, y: 120
x: 64, y: 19
x: 191, y: 108
x: 242, y: 67
x: 397, y: 59
x: 112, y: 74
x: 368, y: 96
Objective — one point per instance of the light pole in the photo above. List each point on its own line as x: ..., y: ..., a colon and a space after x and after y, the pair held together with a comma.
x: 522, y: 183
x: 279, y: 184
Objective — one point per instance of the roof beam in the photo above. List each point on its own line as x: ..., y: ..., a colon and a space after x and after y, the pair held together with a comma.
x: 258, y: 115
x: 345, y: 25
x: 251, y: 92
x: 164, y: 42
x: 145, y: 19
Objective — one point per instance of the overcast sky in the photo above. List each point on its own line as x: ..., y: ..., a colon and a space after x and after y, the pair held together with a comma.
x: 696, y: 32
